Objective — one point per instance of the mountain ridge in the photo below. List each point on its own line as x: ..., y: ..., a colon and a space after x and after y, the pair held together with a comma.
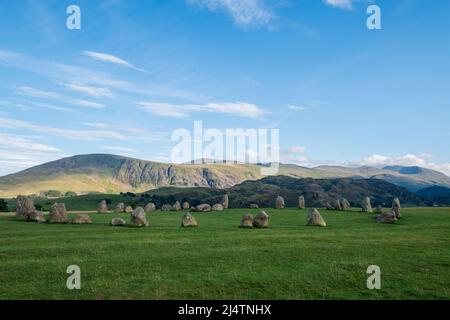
x: 107, y: 173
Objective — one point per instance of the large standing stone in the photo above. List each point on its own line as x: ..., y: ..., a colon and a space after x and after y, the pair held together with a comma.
x: 217, y: 207
x: 301, y: 202
x: 338, y: 205
x: 102, y: 207
x: 138, y: 218
x: 186, y: 205
x: 177, y: 206
x: 315, y: 218
x: 188, y: 221
x: 246, y: 221
x: 261, y: 220
x: 366, y: 205
x: 166, y: 207
x: 226, y: 201
x: 120, y: 207
x: 386, y: 217
x: 345, y: 205
x: 396, y: 208
x: 118, y: 222
x: 202, y: 208
x: 149, y: 207
x: 58, y: 213
x: 279, y: 202
x: 24, y: 207
x: 82, y: 219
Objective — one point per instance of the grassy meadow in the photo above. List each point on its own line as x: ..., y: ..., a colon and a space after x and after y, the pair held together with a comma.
x: 218, y: 260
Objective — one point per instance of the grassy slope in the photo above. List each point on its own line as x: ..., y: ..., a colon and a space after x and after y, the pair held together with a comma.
x: 219, y: 260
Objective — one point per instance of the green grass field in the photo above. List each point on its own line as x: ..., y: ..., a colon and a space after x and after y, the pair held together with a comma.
x: 218, y: 260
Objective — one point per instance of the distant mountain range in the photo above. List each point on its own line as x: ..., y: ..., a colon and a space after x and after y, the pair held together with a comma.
x: 104, y: 173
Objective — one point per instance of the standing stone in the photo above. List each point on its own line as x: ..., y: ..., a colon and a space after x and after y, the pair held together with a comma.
x: 24, y: 207
x: 396, y: 208
x: 58, y: 213
x: 328, y: 206
x: 217, y: 207
x: 166, y: 207
x: 82, y: 219
x: 279, y: 202
x: 337, y: 205
x: 188, y: 221
x: 177, y: 206
x: 345, y: 205
x: 118, y: 222
x: 225, y: 201
x: 129, y: 209
x: 120, y: 207
x: 37, y: 216
x: 138, y: 218
x: 102, y: 207
x: 261, y: 220
x: 246, y: 221
x: 315, y: 219
x: 366, y: 205
x: 149, y: 207
x: 186, y: 205
x: 301, y: 202
x: 254, y: 206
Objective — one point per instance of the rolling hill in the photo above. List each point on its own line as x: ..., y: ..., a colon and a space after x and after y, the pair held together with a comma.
x: 104, y: 173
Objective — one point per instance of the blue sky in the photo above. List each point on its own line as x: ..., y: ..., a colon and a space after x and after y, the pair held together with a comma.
x: 137, y: 70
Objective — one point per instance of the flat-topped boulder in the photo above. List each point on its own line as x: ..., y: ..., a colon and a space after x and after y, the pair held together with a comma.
x: 58, y: 213
x: 188, y: 220
x: 254, y: 206
x: 202, y: 208
x: 315, y: 218
x: 246, y: 221
x: 118, y: 222
x: 387, y: 218
x: 217, y: 207
x: 82, y: 219
x: 261, y: 220
x: 138, y: 218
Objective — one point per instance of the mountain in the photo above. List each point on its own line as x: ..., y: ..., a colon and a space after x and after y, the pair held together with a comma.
x: 437, y: 195
x: 104, y: 173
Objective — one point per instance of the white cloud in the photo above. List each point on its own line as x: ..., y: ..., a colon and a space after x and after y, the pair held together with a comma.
x: 100, y: 125
x: 96, y: 92
x: 342, y: 4
x: 294, y: 155
x: 244, y: 12
x: 105, y: 57
x: 241, y: 109
x: 17, y: 142
x: 298, y: 108
x: 40, y: 94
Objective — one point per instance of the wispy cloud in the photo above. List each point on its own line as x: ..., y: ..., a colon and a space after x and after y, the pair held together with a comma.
x: 96, y: 92
x: 342, y: 4
x: 244, y: 12
x: 240, y: 109
x: 61, y: 133
x: 105, y: 57
x: 41, y: 94
x: 119, y: 149
x: 297, y: 108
